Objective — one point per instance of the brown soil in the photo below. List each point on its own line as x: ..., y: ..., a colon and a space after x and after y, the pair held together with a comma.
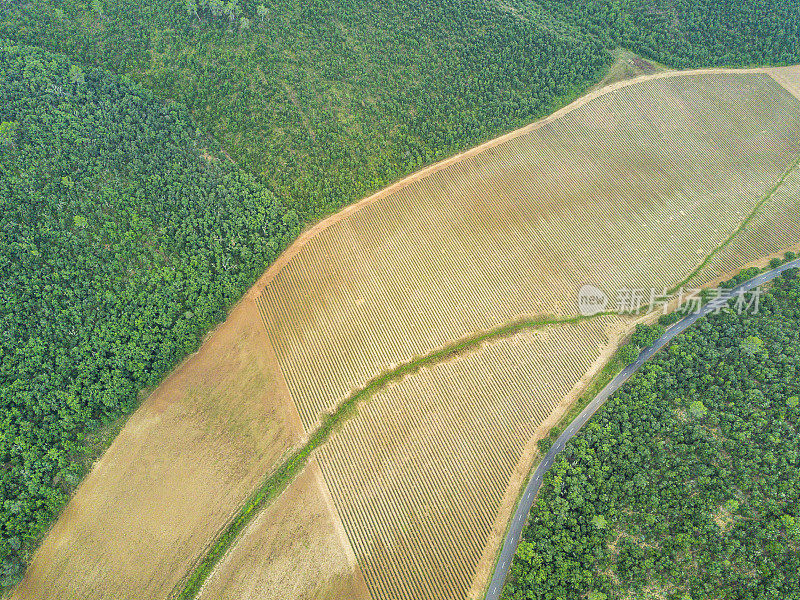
x: 310, y: 233
x: 181, y: 467
x: 296, y: 548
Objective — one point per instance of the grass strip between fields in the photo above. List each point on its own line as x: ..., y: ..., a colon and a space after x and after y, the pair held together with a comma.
x: 743, y: 225
x: 280, y: 478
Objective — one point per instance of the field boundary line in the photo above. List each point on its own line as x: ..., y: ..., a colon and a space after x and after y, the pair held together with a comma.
x: 279, y: 479
x: 306, y: 236
x: 742, y: 226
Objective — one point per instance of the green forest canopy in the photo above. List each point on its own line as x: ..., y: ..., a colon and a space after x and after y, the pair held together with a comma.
x: 686, y: 484
x: 330, y: 100
x: 119, y: 248
x: 121, y: 245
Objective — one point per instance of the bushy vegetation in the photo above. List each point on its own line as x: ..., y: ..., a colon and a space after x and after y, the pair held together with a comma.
x: 691, y: 33
x: 328, y: 101
x: 686, y: 484
x: 119, y: 247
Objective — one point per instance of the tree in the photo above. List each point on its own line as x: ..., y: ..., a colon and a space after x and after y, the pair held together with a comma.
x: 697, y: 409
x: 752, y: 345
x: 76, y: 75
x: 628, y: 353
x: 8, y: 132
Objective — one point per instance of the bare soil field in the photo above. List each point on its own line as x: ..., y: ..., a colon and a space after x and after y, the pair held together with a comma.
x: 184, y: 462
x: 297, y: 548
x: 449, y: 449
x: 631, y: 189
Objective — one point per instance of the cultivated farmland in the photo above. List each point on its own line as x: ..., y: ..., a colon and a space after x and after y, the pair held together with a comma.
x: 192, y: 453
x: 426, y: 507
x: 633, y: 187
x: 774, y: 228
x: 297, y: 548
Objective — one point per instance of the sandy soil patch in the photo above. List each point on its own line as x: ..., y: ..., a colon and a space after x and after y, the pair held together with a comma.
x: 182, y: 465
x: 295, y: 549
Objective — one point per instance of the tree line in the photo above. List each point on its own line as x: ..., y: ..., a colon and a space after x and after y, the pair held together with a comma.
x: 124, y: 236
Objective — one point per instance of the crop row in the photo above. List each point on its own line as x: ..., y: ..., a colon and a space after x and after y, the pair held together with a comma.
x: 633, y: 189
x: 420, y: 506
x: 775, y: 227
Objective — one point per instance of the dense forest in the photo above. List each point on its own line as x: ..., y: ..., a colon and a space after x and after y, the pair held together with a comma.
x: 686, y: 484
x: 691, y: 33
x: 127, y: 231
x: 123, y: 238
x: 329, y: 101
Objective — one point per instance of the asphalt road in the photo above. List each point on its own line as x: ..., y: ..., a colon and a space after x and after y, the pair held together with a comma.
x: 524, y: 507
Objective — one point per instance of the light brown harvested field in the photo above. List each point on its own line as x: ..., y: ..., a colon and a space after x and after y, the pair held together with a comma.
x: 634, y: 188
x: 775, y: 228
x: 789, y: 77
x: 426, y: 505
x: 296, y: 549
x: 185, y: 461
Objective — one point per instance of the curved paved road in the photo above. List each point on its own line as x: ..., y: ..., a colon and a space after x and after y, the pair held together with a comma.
x: 520, y: 516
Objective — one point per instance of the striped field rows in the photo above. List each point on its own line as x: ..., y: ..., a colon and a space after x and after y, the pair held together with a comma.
x: 775, y: 227
x: 419, y: 507
x: 633, y: 189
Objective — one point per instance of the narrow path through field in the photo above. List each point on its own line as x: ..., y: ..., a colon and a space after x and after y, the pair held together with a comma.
x: 532, y: 489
